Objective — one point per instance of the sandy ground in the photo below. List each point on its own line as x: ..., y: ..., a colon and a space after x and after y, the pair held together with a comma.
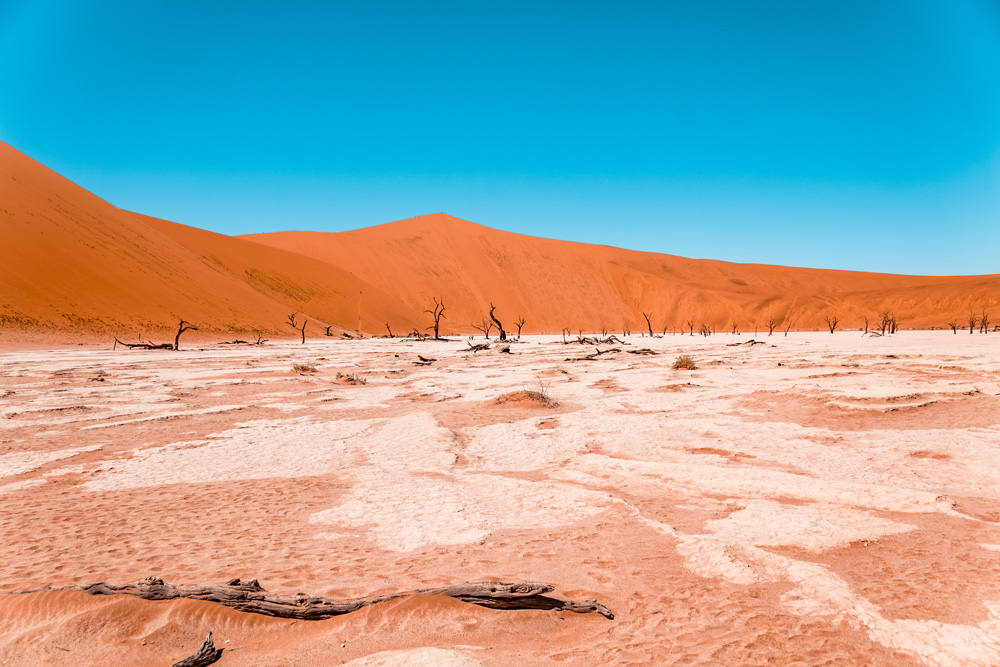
x: 815, y: 500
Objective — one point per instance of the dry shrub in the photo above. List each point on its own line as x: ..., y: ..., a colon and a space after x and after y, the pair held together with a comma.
x: 304, y: 368
x: 684, y: 362
x: 527, y: 397
x: 351, y: 378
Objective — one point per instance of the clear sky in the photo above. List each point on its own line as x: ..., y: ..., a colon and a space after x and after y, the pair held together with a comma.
x: 840, y: 134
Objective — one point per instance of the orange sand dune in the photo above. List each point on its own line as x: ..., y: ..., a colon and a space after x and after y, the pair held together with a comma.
x: 555, y: 284
x: 71, y: 261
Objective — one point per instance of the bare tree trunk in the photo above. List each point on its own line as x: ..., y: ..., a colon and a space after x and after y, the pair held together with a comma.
x: 181, y: 328
x: 437, y: 314
x: 503, y: 334
x: 649, y: 324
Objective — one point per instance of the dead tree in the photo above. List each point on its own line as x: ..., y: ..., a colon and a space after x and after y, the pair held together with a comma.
x: 984, y: 323
x: 704, y: 330
x: 690, y: 325
x: 328, y: 332
x: 885, y: 322
x: 206, y: 655
x: 831, y: 322
x: 503, y: 334
x: 565, y: 332
x: 250, y: 597
x: 649, y: 324
x: 771, y: 324
x: 292, y: 323
x: 735, y: 329
x: 181, y: 328
x: 485, y: 327
x: 788, y: 325
x: 389, y: 329
x: 520, y: 323
x: 973, y: 322
x: 866, y: 325
x: 953, y: 323
x: 437, y: 314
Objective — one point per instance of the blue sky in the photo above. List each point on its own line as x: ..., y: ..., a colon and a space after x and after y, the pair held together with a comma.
x: 837, y: 134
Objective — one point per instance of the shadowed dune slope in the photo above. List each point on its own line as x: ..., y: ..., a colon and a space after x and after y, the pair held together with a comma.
x: 71, y: 261
x: 555, y: 284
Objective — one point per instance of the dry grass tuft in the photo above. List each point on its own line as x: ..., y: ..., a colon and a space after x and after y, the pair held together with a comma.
x: 304, y: 368
x: 684, y: 362
x: 351, y: 378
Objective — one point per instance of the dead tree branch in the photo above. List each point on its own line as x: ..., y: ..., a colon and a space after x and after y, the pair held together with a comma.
x: 206, y: 655
x: 250, y: 597
x: 143, y: 346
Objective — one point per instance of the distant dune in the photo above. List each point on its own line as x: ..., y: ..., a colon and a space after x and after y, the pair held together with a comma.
x: 556, y: 284
x: 73, y: 263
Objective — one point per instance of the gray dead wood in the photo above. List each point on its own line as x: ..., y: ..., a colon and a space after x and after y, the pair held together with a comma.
x: 594, y: 355
x: 424, y: 361
x: 641, y: 350
x: 144, y: 346
x: 478, y: 347
x: 251, y: 597
x: 206, y: 655
x: 750, y: 342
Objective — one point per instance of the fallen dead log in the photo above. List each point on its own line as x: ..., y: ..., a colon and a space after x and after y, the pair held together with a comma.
x: 593, y: 355
x: 206, y: 655
x: 144, y: 346
x: 250, y: 597
x: 478, y: 347
x: 750, y: 342
x: 424, y: 361
x: 641, y: 350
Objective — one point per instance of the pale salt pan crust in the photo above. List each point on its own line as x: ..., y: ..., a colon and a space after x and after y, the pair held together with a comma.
x: 840, y: 508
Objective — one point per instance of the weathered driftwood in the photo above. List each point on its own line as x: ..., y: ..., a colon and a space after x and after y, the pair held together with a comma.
x: 593, y: 355
x: 478, y: 347
x: 144, y: 346
x: 206, y: 655
x: 641, y: 350
x: 251, y: 597
x: 424, y: 361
